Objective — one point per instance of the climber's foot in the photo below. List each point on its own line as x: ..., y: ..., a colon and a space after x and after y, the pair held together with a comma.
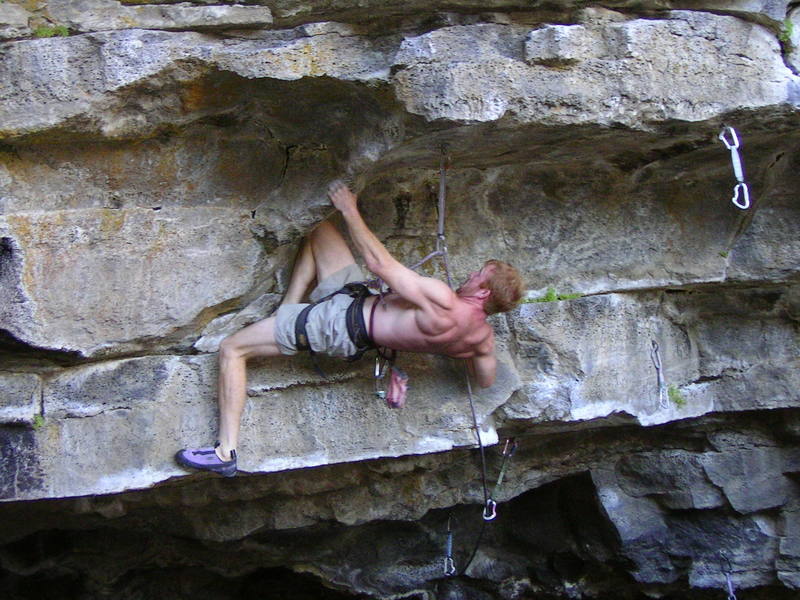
x: 207, y: 460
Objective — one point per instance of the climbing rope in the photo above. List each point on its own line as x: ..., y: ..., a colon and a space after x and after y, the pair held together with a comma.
x: 509, y: 449
x: 441, y: 241
x: 489, y: 506
x: 383, y: 362
x: 489, y: 513
x: 738, y: 171
x: 489, y: 503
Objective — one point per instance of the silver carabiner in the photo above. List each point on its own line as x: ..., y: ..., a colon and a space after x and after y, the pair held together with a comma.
x: 380, y: 372
x: 449, y: 566
x: 729, y: 145
x: 745, y: 204
x: 490, y: 510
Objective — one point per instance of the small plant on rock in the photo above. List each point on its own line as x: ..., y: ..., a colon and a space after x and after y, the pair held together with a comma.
x: 676, y: 397
x: 46, y: 31
x: 785, y: 36
x: 552, y: 296
x: 38, y: 420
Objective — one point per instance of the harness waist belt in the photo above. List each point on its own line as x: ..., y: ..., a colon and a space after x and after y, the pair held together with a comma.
x: 354, y: 320
x: 357, y: 327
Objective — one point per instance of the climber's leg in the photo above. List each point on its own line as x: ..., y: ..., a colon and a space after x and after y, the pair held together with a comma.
x: 331, y: 252
x: 256, y: 340
x: 303, y: 274
x: 324, y: 254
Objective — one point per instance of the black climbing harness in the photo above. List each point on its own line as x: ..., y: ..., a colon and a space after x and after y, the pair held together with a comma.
x: 354, y: 319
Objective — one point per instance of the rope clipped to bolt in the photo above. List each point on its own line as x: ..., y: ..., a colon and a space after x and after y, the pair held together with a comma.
x: 489, y: 502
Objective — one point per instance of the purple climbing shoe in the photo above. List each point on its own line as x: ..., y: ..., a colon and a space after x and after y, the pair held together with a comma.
x: 207, y: 459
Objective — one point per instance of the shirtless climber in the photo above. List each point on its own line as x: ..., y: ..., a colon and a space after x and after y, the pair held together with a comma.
x: 420, y: 315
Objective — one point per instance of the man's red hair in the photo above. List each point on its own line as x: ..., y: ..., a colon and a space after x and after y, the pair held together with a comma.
x: 506, y: 286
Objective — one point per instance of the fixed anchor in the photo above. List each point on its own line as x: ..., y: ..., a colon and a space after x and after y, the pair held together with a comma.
x: 738, y: 172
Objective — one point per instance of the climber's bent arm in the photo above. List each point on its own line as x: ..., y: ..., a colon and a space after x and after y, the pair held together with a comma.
x: 430, y: 295
x: 483, y: 367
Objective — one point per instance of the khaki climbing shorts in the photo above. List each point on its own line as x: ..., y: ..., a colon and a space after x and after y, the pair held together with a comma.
x: 326, y: 326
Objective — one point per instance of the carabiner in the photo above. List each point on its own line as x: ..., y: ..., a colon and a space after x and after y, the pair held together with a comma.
x: 731, y: 589
x: 380, y: 373
x: 510, y: 452
x: 728, y: 145
x: 745, y: 204
x: 490, y: 510
x: 449, y: 566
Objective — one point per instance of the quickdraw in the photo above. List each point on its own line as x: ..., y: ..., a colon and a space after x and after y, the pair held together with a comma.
x: 449, y: 565
x: 738, y: 171
x: 655, y: 356
x: 489, y: 512
x: 727, y: 570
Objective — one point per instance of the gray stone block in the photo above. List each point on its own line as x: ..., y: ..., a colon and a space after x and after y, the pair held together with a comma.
x: 748, y: 478
x: 793, y: 17
x: 101, y: 15
x: 635, y: 79
x: 13, y: 21
x: 674, y: 479
x: 116, y: 425
x: 20, y: 398
x: 102, y: 281
x: 560, y: 45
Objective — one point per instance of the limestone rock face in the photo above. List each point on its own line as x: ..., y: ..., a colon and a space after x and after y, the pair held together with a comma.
x: 579, y: 372
x: 99, y: 15
x: 13, y: 21
x: 159, y: 271
x: 160, y: 163
x: 620, y: 72
x: 21, y: 398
